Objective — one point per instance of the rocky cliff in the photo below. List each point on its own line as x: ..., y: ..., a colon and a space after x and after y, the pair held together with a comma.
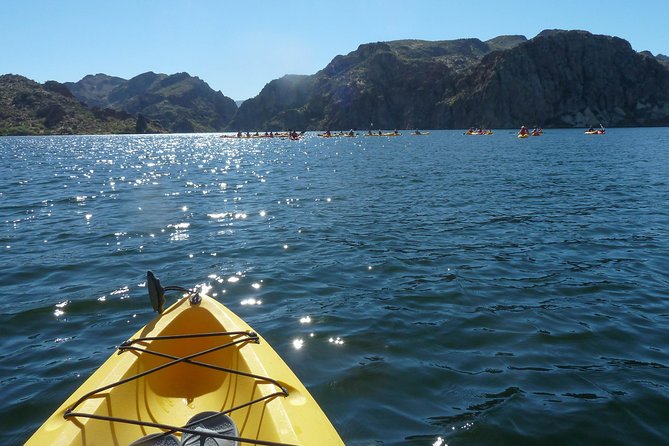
x: 30, y: 108
x: 559, y: 78
x: 179, y: 102
x: 562, y: 79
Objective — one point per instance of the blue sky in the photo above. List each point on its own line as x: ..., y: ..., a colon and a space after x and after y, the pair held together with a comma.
x: 239, y: 46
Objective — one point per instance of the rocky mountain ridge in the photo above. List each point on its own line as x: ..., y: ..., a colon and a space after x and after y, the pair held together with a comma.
x: 556, y: 79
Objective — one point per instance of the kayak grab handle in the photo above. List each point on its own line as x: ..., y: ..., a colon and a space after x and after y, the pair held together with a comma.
x: 157, y: 292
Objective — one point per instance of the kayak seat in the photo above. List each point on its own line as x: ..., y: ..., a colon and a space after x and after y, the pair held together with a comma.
x: 156, y: 440
x: 215, y: 422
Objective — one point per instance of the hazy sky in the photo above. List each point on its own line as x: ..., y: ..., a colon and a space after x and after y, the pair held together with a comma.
x: 239, y: 46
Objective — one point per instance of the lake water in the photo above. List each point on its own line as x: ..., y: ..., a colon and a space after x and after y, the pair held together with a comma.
x: 461, y: 290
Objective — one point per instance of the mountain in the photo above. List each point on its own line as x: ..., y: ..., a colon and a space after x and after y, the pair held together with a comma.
x: 93, y: 90
x: 384, y: 84
x: 30, y: 108
x: 179, y: 102
x: 558, y: 78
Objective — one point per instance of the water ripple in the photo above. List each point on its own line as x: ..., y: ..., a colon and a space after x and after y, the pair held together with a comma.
x: 428, y: 291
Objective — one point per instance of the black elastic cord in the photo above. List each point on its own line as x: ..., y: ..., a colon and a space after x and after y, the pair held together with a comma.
x: 147, y: 372
x: 128, y: 346
x: 284, y: 391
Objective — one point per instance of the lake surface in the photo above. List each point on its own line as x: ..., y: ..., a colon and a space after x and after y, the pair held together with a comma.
x: 461, y: 290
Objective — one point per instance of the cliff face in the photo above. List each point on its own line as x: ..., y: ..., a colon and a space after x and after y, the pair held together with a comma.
x: 558, y: 78
x: 30, y: 108
x: 564, y: 79
x: 179, y: 102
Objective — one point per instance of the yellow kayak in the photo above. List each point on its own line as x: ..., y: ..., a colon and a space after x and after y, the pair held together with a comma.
x: 195, y: 372
x: 523, y: 136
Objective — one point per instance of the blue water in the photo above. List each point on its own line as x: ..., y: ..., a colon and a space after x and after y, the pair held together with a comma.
x: 443, y: 289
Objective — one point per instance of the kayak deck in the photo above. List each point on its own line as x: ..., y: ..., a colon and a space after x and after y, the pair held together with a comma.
x: 193, y: 358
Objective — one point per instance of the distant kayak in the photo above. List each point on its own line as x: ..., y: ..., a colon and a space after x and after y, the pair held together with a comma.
x: 417, y: 133
x: 383, y: 134
x: 196, y: 371
x: 337, y: 135
x: 592, y: 131
x: 525, y: 135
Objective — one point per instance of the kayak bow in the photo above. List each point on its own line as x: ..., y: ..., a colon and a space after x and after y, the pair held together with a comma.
x: 194, y: 359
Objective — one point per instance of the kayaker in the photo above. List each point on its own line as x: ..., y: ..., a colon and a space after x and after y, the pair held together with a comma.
x: 523, y: 130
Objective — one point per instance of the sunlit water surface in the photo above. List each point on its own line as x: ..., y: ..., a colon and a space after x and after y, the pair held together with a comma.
x: 431, y: 290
